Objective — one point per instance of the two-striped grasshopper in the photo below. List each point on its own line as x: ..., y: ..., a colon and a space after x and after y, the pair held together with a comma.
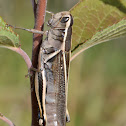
x: 54, y: 59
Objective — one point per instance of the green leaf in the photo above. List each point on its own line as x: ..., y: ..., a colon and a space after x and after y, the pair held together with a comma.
x: 112, y: 32
x: 7, y: 37
x: 97, y: 21
x: 10, y: 40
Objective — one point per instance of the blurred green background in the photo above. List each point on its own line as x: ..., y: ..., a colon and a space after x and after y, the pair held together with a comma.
x: 97, y: 88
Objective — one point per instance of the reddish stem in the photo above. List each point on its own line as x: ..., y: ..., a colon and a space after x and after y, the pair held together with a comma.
x: 2, y: 117
x: 34, y: 5
x: 37, y: 40
x: 22, y: 53
x: 39, y: 23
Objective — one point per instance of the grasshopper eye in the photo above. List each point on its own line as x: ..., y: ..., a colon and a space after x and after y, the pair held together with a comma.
x: 64, y: 19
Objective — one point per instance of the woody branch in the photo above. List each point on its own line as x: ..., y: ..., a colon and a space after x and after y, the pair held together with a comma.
x: 39, y: 9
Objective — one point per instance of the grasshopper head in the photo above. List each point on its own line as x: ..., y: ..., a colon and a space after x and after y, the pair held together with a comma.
x: 61, y: 20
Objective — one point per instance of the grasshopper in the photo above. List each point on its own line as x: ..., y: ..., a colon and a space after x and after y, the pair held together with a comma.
x: 54, y: 59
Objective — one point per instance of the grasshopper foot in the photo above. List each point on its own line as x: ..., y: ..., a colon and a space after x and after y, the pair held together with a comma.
x: 67, y: 116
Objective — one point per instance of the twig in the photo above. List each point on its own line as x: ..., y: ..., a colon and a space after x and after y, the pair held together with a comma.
x: 22, y: 53
x: 39, y: 13
x: 39, y: 23
x: 34, y: 5
x: 2, y: 117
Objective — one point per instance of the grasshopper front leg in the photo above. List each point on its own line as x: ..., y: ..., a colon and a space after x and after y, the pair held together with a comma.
x: 30, y: 30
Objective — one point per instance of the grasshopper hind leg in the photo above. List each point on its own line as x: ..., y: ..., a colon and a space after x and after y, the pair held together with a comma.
x: 67, y: 116
x: 42, y: 122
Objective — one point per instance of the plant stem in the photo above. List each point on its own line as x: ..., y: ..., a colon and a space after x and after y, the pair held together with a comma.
x: 22, y: 53
x: 2, y: 117
x: 39, y: 14
x: 34, y: 5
